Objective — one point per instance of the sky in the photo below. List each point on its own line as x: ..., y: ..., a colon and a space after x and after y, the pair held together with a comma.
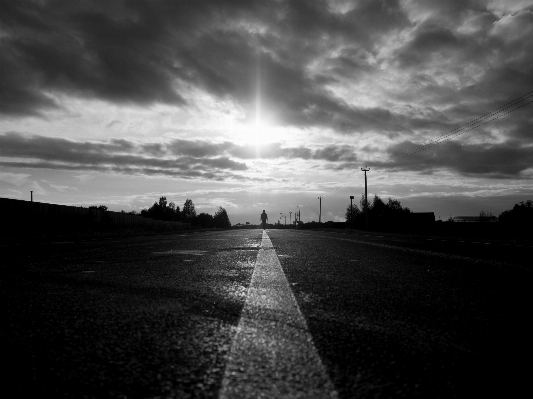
x: 254, y: 105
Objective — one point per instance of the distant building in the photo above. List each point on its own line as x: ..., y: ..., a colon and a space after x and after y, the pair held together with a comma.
x: 475, y: 219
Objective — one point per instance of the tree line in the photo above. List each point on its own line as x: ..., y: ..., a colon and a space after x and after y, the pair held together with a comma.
x: 520, y: 215
x: 163, y: 210
x: 380, y: 213
x: 392, y: 213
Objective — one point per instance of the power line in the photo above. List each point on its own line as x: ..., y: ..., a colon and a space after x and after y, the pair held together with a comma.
x: 460, y: 130
x: 489, y: 114
x: 434, y: 143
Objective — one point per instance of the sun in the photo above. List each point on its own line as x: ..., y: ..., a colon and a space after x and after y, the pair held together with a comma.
x: 262, y: 133
x: 258, y: 132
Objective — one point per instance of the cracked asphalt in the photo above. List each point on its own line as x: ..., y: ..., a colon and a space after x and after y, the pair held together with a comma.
x: 156, y: 316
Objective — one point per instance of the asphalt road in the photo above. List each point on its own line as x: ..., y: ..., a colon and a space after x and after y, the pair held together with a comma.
x: 289, y: 314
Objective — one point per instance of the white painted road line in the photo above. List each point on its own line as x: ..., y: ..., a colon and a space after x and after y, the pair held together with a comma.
x: 272, y: 353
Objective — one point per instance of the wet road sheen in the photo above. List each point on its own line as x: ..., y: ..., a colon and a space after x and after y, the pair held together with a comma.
x: 158, y: 316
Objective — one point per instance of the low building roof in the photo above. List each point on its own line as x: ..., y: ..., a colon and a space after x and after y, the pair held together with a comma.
x: 475, y: 219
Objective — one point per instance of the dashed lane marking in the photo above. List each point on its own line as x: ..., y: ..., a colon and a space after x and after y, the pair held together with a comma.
x: 272, y: 353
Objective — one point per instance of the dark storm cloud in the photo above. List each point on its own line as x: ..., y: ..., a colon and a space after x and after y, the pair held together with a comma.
x: 197, y: 148
x: 465, y: 59
x: 502, y: 160
x: 184, y: 157
x: 145, y: 52
x: 465, y: 52
x: 86, y: 51
x: 427, y: 64
x: 334, y: 153
x: 428, y: 39
x: 202, y: 148
x: 115, y: 155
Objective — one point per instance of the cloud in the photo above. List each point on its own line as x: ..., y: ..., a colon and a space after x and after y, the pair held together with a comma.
x: 183, y: 158
x: 428, y: 40
x: 203, y: 148
x: 84, y: 50
x: 196, y: 148
x: 37, y: 188
x: 16, y: 179
x: 309, y: 54
x: 10, y: 193
x: 501, y: 160
x: 120, y: 156
x: 141, y: 53
x: 394, y: 71
x: 61, y: 188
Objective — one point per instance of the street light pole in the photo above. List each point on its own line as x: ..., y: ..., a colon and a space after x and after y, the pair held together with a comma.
x: 290, y: 220
x: 366, y: 169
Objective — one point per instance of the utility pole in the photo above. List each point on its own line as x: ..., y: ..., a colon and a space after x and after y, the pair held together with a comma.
x: 366, y: 169
x: 31, y: 194
x: 290, y: 220
x: 320, y: 211
x: 351, y: 211
x: 285, y: 220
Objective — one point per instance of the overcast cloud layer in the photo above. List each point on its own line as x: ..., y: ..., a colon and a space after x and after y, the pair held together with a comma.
x: 343, y: 83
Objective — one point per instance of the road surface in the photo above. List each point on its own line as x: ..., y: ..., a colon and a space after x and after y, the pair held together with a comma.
x: 285, y: 313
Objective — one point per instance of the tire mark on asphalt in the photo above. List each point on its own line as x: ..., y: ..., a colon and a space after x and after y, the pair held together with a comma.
x: 272, y: 354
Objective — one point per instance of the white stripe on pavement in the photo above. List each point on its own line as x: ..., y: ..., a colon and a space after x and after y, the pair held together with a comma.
x: 272, y: 354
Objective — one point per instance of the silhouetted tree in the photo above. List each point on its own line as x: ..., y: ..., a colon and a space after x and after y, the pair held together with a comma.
x: 520, y: 215
x: 378, y: 212
x: 188, y: 214
x: 162, y: 210
x: 221, y: 218
x: 395, y: 213
x: 174, y: 211
x: 381, y: 214
x: 105, y: 218
x: 363, y: 203
x: 352, y: 214
x: 205, y: 220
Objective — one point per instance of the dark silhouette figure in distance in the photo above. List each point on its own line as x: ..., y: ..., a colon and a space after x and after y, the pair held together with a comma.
x: 264, y: 219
